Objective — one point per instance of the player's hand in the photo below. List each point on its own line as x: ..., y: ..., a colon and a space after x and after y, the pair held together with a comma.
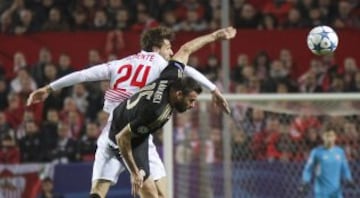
x: 220, y: 101
x: 225, y: 33
x: 137, y: 180
x: 38, y: 95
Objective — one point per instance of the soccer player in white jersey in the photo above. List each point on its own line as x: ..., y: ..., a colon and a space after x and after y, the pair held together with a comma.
x: 126, y: 76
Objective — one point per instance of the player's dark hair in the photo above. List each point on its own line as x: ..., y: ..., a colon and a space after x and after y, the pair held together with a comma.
x: 186, y: 85
x: 155, y: 37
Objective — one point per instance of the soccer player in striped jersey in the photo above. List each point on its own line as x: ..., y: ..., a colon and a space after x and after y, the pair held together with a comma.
x: 330, y: 165
x: 126, y: 77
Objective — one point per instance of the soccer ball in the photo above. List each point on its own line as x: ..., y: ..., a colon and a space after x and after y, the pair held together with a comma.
x: 322, y: 40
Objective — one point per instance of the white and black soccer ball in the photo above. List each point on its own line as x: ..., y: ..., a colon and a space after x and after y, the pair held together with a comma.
x: 322, y: 40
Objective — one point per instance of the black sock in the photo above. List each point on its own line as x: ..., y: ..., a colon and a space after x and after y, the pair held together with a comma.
x: 94, y: 195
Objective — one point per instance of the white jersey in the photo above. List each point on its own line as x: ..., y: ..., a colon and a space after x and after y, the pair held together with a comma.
x: 126, y: 76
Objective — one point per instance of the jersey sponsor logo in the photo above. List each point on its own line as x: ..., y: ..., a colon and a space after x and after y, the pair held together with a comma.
x: 160, y: 90
x: 143, y: 129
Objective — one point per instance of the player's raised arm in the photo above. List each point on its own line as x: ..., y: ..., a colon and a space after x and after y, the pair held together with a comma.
x: 190, y: 47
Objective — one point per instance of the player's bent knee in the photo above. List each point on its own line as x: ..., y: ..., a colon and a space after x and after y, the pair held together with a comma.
x: 149, y: 189
x: 161, y: 187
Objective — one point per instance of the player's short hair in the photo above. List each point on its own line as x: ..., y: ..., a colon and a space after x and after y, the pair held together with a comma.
x: 329, y: 129
x: 186, y: 85
x: 155, y: 37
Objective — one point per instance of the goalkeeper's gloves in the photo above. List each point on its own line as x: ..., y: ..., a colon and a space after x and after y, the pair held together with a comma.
x: 350, y: 184
x: 304, y: 188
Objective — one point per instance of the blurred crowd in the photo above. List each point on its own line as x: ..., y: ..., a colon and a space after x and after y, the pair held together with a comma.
x: 20, y: 16
x: 65, y: 127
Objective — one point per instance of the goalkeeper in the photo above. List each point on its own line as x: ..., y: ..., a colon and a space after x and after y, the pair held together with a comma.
x: 331, y: 167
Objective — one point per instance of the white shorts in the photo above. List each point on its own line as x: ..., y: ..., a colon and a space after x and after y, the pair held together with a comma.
x: 108, y: 167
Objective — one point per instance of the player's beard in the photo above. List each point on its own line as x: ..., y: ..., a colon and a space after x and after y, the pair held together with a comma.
x: 180, y: 106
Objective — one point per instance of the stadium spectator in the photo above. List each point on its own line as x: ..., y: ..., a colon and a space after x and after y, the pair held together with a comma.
x: 80, y: 95
x: 211, y: 69
x: 192, y: 22
x: 50, y: 73
x: 241, y: 144
x: 101, y: 21
x: 284, y: 147
x: 64, y: 150
x: 31, y: 145
x: 55, y: 21
x: 294, y: 19
x: 87, y: 144
x: 6, y: 22
x: 14, y: 111
x: 93, y: 57
x: 247, y: 17
x: 80, y: 20
x: 279, y: 9
x: 47, y: 189
x: 261, y: 63
x: 26, y: 23
x: 49, y: 129
x: 255, y: 122
x: 113, y: 7
x: 9, y: 151
x: 45, y: 57
x: 310, y: 84
x: 64, y: 65
x: 277, y: 73
x: 71, y: 115
x: 122, y: 20
x: 344, y: 16
x: 19, y: 61
x: 237, y: 70
x: 23, y: 84
x: 5, y: 128
x: 4, y: 91
x: 268, y: 22
x: 144, y: 20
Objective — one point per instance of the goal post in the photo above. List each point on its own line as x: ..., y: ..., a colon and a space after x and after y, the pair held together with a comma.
x: 260, y: 149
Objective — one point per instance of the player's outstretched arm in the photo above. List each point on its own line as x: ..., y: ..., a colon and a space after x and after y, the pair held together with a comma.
x: 94, y: 73
x: 182, y: 55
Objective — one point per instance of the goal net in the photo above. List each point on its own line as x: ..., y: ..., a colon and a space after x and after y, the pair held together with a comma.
x: 260, y: 150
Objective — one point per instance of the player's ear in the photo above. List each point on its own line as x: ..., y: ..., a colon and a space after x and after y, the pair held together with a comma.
x: 179, y: 94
